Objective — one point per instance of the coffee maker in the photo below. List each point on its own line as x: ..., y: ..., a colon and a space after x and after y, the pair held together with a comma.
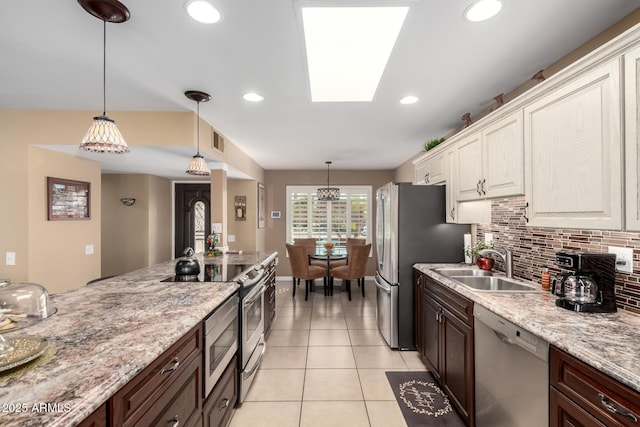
x: 589, y: 286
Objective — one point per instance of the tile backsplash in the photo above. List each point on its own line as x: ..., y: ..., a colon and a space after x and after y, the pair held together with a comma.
x: 534, y: 247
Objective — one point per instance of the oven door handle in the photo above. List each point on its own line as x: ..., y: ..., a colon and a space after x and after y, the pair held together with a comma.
x: 257, y: 364
x: 254, y: 295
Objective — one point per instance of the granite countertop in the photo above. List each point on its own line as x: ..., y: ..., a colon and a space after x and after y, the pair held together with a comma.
x: 105, y: 334
x: 607, y: 341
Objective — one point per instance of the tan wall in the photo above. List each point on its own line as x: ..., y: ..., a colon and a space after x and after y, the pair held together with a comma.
x: 245, y: 232
x: 56, y: 249
x: 137, y: 236
x: 160, y: 220
x: 404, y: 173
x: 275, y: 187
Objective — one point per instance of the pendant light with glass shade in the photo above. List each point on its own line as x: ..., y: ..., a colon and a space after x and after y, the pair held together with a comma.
x: 103, y: 136
x: 328, y: 194
x: 198, y: 166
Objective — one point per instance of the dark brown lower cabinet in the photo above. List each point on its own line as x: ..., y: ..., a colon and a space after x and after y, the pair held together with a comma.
x: 97, y: 419
x: 170, y: 387
x: 270, y: 299
x: 444, y: 325
x: 582, y: 396
x: 223, y: 398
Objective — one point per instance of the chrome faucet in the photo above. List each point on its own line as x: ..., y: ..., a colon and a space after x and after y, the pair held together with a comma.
x: 507, y: 258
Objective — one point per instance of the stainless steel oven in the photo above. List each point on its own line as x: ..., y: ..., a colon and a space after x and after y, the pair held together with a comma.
x: 252, y: 343
x: 220, y: 341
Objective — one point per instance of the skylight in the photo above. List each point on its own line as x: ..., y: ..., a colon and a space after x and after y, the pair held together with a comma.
x: 348, y: 49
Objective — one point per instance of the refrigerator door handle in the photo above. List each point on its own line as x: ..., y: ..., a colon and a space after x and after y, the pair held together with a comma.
x: 380, y: 239
x: 383, y: 286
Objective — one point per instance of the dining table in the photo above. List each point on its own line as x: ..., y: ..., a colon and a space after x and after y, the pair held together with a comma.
x: 334, y: 254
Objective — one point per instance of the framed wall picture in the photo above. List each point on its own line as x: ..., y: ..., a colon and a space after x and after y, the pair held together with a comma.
x: 261, y: 207
x: 68, y: 199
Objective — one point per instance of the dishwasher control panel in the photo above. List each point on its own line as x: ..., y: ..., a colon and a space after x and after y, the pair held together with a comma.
x: 511, y: 333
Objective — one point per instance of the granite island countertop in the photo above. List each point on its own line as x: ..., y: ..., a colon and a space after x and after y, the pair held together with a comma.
x: 609, y: 342
x: 105, y: 334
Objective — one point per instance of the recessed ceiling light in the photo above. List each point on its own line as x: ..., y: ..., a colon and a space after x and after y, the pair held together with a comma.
x: 483, y: 10
x: 348, y: 49
x: 409, y: 100
x: 203, y: 11
x: 253, y: 97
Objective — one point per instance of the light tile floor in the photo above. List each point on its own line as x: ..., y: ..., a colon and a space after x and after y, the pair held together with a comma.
x: 325, y: 365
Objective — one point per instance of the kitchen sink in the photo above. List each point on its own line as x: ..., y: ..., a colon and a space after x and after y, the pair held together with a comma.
x: 494, y: 284
x: 456, y: 272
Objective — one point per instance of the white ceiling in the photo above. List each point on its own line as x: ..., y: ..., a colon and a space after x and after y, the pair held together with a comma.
x: 51, y: 58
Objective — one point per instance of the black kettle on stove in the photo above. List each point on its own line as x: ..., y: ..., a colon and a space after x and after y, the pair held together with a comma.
x: 187, y: 268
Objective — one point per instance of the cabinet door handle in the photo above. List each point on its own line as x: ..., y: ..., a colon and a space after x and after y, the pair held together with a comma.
x: 426, y: 178
x: 526, y: 208
x: 174, y: 365
x: 174, y: 422
x: 610, y: 406
x: 478, y: 188
x: 225, y: 404
x: 482, y: 187
x: 453, y: 213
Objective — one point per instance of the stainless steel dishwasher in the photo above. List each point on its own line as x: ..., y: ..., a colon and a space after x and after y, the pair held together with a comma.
x: 512, y: 373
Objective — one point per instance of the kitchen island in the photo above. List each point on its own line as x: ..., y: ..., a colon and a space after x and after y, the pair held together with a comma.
x: 104, y: 335
x: 609, y: 342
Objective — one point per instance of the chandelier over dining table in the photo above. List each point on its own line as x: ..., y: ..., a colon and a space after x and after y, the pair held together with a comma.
x: 328, y: 194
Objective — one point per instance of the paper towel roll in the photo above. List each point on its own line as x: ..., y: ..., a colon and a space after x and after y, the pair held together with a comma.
x: 467, y: 244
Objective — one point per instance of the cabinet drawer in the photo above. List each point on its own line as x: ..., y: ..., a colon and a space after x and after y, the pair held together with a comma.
x: 451, y: 300
x: 219, y: 406
x: 137, y: 396
x: 181, y: 403
x: 564, y: 413
x: 594, y: 391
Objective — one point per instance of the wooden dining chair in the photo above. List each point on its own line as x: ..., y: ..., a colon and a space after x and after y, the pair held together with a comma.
x: 300, y: 268
x: 355, y: 269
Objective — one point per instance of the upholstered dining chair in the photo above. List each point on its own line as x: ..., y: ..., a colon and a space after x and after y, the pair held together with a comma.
x: 355, y: 269
x: 300, y: 268
x: 351, y: 241
x: 310, y: 244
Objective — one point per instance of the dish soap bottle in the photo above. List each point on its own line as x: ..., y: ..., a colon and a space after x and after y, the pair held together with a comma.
x: 546, y: 280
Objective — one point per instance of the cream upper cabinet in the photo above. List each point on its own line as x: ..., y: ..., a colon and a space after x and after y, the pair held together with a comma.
x: 452, y: 187
x: 490, y: 161
x: 430, y: 169
x: 468, y: 170
x: 572, y: 140
x: 632, y: 138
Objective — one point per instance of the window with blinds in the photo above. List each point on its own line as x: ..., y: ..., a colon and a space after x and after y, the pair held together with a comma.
x: 328, y: 221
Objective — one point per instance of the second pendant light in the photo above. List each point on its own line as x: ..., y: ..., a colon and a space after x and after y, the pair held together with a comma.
x: 198, y: 165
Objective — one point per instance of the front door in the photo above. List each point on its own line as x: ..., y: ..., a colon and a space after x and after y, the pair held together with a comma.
x: 192, y: 216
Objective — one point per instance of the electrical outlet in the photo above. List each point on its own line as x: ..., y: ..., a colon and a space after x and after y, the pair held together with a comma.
x: 488, y: 238
x: 88, y: 250
x: 11, y: 258
x: 216, y: 227
x: 624, y: 258
x: 231, y: 238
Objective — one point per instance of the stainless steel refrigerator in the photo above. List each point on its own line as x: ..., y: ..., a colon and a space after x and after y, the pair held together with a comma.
x: 410, y: 228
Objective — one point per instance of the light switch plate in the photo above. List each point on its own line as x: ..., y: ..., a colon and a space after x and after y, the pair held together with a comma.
x: 231, y: 238
x: 624, y: 258
x: 216, y: 227
x: 88, y: 250
x: 10, y: 258
x: 488, y: 238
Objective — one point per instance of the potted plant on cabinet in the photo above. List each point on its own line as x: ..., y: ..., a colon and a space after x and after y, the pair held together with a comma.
x: 484, y: 263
